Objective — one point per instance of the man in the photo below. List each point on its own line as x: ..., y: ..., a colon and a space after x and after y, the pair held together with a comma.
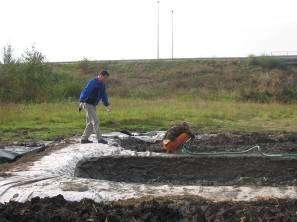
x: 176, y: 136
x: 89, y: 99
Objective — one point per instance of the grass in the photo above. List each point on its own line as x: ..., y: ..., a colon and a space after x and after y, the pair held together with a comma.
x: 261, y: 79
x: 254, y: 79
x: 52, y: 120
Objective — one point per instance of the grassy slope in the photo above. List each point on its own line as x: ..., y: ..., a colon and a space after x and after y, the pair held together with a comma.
x: 165, y: 78
x: 206, y: 79
x: 48, y: 121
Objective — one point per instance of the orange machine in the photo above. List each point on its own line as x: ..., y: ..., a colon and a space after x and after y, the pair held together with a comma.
x: 172, y: 146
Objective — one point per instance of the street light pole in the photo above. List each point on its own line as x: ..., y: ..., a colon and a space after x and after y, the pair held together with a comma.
x: 172, y: 34
x: 158, y: 2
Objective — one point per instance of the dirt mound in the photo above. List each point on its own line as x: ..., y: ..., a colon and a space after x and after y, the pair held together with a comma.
x: 235, y: 142
x: 132, y: 143
x: 192, y: 170
x: 172, y: 209
x: 245, y: 138
x: 224, y: 142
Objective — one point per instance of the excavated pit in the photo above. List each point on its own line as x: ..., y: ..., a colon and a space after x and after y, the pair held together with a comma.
x: 269, y: 143
x: 179, y: 169
x: 192, y: 170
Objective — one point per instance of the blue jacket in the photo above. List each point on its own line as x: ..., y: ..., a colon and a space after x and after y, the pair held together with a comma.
x: 94, y: 92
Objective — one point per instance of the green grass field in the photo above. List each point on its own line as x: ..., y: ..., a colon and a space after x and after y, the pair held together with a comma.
x: 54, y: 120
x: 247, y: 95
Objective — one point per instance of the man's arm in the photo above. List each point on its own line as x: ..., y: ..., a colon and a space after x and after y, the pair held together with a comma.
x: 86, y: 91
x: 104, y: 97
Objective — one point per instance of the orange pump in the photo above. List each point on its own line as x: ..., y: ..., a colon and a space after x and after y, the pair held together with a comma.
x: 174, y: 145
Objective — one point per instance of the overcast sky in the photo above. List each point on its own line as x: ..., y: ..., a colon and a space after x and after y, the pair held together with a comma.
x: 67, y: 30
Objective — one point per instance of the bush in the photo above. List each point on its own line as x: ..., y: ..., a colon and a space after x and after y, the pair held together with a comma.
x: 7, y: 55
x: 86, y: 67
x: 36, y: 77
x: 266, y: 62
x: 261, y: 97
x: 289, y: 95
x: 27, y: 79
x: 71, y: 89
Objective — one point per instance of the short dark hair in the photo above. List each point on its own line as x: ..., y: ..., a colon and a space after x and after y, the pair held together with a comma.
x: 104, y: 72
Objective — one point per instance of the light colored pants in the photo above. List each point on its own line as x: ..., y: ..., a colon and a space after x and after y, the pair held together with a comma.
x: 92, y: 123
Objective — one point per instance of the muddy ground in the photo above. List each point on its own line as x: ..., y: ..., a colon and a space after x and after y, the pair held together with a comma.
x: 182, y: 169
x: 180, y: 208
x: 192, y: 170
x: 186, y: 209
x: 279, y: 142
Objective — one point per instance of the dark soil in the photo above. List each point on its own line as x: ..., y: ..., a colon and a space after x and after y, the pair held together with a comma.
x: 249, y: 169
x: 186, y: 209
x: 192, y: 170
x: 272, y: 143
x: 204, y: 170
x: 132, y: 143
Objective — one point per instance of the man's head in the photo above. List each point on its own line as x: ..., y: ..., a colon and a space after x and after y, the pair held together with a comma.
x: 103, y: 75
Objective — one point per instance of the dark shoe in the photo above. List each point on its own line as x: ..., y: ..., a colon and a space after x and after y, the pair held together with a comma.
x: 102, y: 141
x: 86, y: 141
x: 126, y: 132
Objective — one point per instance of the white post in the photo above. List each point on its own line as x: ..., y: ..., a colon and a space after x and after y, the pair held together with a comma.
x: 172, y: 34
x: 158, y: 2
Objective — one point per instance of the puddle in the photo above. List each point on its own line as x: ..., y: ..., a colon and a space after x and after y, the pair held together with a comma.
x: 10, y: 153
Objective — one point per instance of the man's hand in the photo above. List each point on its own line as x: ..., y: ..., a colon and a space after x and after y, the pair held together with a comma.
x: 108, y: 108
x: 81, y: 106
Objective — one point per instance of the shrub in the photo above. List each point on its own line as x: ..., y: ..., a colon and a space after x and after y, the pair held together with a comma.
x: 258, y: 96
x: 8, y: 55
x: 289, y: 95
x: 36, y: 76
x: 266, y: 62
x: 27, y: 79
x: 85, y: 67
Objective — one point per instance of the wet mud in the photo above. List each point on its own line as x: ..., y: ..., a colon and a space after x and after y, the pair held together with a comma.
x: 177, y: 169
x: 192, y: 170
x: 272, y: 143
x: 135, y: 144
x: 182, y: 209
x: 181, y: 169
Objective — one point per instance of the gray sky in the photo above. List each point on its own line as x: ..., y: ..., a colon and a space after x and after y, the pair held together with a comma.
x: 67, y: 30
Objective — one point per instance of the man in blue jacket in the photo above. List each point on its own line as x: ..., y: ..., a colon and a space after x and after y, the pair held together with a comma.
x: 91, y: 95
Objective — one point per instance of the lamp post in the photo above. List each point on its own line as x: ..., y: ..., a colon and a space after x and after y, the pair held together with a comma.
x: 158, y: 6
x: 172, y: 34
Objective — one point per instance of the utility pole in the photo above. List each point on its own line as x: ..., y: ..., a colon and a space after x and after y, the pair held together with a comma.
x: 172, y: 34
x: 158, y: 6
